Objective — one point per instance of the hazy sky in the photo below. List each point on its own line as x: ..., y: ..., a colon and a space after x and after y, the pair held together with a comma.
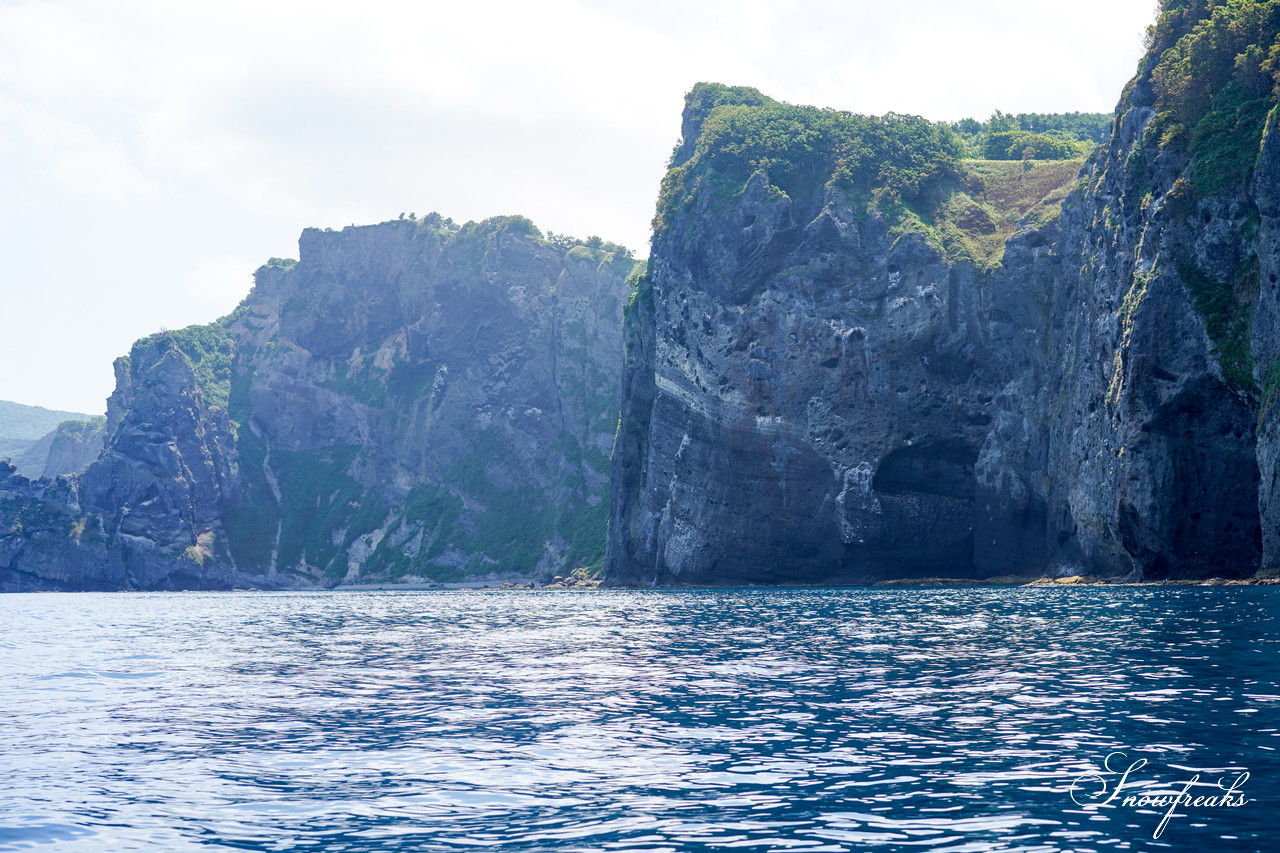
x: 153, y: 153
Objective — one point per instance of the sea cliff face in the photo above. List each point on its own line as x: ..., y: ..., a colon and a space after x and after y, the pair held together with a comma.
x: 411, y: 401
x: 1144, y: 424
x: 453, y: 392
x: 854, y: 355
x: 815, y: 360
x: 828, y: 381
x: 788, y: 348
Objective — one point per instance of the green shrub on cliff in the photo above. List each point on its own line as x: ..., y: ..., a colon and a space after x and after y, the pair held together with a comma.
x: 909, y: 170
x: 1034, y: 136
x: 209, y: 351
x: 1021, y: 145
x: 897, y: 158
x: 79, y: 431
x: 1215, y: 68
x: 1226, y: 308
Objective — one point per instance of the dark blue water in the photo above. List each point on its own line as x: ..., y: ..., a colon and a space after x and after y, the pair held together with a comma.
x: 806, y: 720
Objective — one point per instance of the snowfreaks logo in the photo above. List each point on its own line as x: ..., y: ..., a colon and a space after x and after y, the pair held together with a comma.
x: 1094, y: 790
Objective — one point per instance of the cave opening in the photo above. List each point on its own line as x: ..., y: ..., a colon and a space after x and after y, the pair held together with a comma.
x: 926, y: 496
x: 940, y: 468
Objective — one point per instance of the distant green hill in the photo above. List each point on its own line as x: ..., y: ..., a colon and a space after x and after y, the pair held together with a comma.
x: 1033, y: 136
x: 21, y: 425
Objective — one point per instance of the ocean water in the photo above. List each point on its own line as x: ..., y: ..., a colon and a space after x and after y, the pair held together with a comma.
x: 799, y: 720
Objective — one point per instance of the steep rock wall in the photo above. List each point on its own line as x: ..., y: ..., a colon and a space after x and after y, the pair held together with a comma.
x: 1146, y: 432
x: 409, y: 401
x: 810, y: 372
x: 822, y: 386
x: 456, y: 391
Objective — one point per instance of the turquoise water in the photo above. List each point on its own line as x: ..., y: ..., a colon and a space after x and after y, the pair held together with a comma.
x: 807, y: 720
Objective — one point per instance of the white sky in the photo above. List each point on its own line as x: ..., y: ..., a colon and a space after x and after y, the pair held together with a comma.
x: 153, y: 153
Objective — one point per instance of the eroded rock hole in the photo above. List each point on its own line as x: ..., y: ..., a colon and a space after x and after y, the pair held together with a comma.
x: 929, y: 468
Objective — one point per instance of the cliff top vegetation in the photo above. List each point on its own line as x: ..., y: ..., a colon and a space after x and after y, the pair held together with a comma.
x: 1214, y: 67
x: 1033, y: 136
x: 917, y: 174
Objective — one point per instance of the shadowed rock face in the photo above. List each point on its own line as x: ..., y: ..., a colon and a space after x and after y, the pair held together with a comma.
x: 804, y: 400
x: 409, y: 401
x: 1145, y: 435
x: 1265, y: 339
x: 47, y: 540
x: 816, y: 392
x: 791, y: 440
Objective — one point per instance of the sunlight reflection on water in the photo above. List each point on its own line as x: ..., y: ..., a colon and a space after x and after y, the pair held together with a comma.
x: 815, y: 719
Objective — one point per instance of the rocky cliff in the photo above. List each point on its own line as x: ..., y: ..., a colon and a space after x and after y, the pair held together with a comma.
x: 832, y: 376
x: 49, y: 540
x: 855, y: 355
x: 28, y: 432
x: 408, y: 401
x: 68, y: 448
x: 1144, y: 425
x: 810, y: 367
x: 74, y: 446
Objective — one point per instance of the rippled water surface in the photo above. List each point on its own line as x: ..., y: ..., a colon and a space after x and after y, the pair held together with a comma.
x: 809, y: 720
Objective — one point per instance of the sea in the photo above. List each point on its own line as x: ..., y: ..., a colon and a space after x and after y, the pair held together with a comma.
x: 845, y: 719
